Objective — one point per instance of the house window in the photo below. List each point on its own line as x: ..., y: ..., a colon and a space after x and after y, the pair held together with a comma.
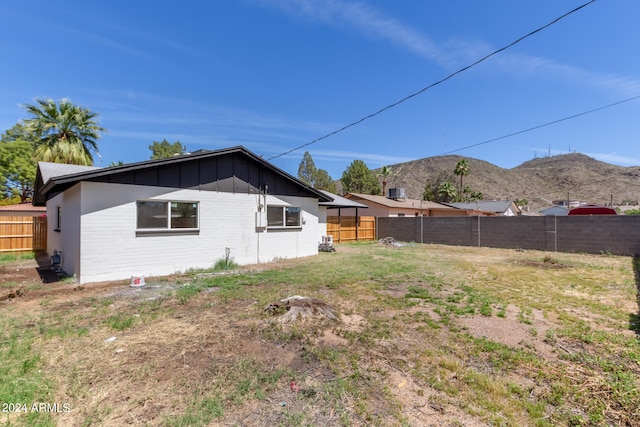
x: 58, y: 218
x: 284, y: 216
x: 166, y: 215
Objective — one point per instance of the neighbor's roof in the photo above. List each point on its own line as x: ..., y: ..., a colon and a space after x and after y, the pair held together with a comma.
x: 496, y: 206
x: 555, y: 210
x: 23, y: 207
x: 48, y: 180
x: 403, y: 203
x: 340, y: 202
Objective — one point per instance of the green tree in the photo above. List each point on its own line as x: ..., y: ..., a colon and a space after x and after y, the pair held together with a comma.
x: 447, y: 191
x: 357, y: 178
x: 17, y: 169
x: 521, y: 202
x: 323, y: 181
x: 314, y: 177
x: 65, y: 132
x: 385, y: 173
x: 461, y: 170
x: 430, y: 192
x: 307, y: 169
x: 164, y: 149
x: 468, y: 195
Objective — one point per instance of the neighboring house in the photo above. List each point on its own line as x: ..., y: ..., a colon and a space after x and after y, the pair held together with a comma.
x: 494, y: 207
x: 163, y: 216
x: 22, y: 209
x: 555, y: 210
x: 380, y: 206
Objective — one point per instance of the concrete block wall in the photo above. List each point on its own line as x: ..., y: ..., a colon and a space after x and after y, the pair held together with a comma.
x: 618, y: 235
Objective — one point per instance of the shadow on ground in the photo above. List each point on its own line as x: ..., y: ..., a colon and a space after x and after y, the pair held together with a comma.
x: 46, y: 272
x: 634, y: 318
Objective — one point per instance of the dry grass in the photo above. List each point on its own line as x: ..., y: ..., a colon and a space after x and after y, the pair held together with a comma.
x: 426, y: 335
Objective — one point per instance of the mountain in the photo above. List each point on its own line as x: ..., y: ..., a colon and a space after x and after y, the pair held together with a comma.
x: 571, y: 176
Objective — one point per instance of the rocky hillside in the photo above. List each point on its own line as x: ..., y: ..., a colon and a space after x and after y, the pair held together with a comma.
x: 573, y: 176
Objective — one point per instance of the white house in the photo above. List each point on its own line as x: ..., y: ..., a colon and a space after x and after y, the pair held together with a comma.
x: 164, y: 216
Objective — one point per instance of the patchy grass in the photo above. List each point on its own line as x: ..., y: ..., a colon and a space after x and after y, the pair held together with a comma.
x: 11, y: 257
x: 453, y: 335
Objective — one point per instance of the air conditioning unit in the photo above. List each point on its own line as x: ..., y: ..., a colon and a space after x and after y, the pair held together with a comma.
x: 397, y: 193
x: 326, y: 244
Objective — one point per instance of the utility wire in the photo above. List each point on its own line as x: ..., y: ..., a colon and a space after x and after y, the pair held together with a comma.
x: 544, y: 125
x: 406, y: 98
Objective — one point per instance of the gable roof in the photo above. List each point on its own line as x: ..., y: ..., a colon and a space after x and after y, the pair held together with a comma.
x: 495, y: 206
x: 391, y: 203
x: 234, y: 169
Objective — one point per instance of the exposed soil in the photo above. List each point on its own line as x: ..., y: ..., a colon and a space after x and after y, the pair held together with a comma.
x: 138, y: 372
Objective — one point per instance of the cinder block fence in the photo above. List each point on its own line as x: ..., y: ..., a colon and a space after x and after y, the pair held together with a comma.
x: 615, y: 234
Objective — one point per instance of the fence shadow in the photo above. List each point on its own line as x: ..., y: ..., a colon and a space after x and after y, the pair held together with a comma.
x: 634, y: 318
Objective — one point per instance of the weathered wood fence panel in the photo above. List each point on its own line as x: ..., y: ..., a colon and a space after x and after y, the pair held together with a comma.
x: 23, y: 233
x: 351, y: 228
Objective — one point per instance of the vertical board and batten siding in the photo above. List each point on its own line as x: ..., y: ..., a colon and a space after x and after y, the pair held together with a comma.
x: 23, y: 233
x: 345, y: 229
x: 111, y: 250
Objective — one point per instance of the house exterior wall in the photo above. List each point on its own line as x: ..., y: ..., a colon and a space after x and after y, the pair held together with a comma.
x: 111, y: 249
x: 66, y: 239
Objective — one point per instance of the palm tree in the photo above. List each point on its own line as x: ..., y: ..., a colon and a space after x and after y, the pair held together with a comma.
x: 447, y: 191
x: 462, y: 169
x: 385, y: 173
x: 66, y: 133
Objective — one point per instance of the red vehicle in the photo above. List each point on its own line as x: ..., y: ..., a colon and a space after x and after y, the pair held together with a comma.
x: 592, y: 210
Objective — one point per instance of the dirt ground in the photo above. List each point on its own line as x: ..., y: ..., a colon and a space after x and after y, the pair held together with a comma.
x: 140, y: 374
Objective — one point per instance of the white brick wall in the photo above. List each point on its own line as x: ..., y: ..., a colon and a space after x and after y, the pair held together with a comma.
x: 107, y: 247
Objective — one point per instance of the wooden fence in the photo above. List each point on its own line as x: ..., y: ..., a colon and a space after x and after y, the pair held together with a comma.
x: 351, y: 228
x: 23, y: 233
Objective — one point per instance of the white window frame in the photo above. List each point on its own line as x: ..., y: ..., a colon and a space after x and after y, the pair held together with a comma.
x: 169, y: 205
x: 285, y: 211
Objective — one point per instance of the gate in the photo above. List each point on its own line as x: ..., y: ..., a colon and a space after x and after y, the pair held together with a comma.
x: 351, y: 228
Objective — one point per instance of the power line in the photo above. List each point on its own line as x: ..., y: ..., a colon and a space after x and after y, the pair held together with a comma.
x: 406, y: 98
x: 543, y: 125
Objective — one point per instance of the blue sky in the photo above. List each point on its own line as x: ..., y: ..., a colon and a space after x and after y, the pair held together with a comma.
x: 273, y: 75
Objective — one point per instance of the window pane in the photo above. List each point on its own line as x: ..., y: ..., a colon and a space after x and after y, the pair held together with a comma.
x: 184, y: 215
x: 152, y: 214
x: 274, y: 216
x: 293, y: 217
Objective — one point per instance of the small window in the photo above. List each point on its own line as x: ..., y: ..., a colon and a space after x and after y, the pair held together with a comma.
x: 284, y: 216
x: 156, y: 214
x: 58, y: 218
